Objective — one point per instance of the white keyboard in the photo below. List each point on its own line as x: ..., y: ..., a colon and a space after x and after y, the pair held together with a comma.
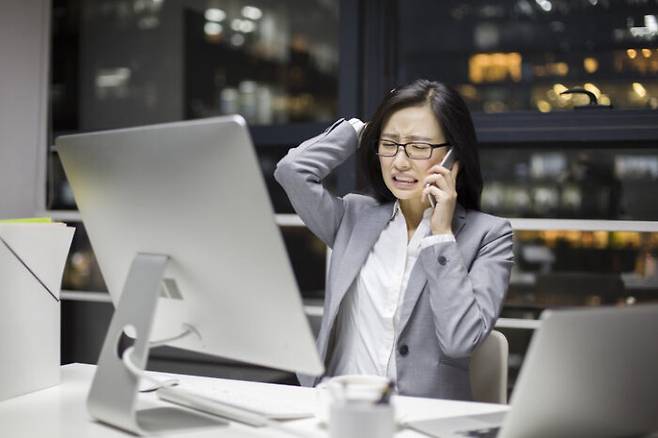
x: 234, y: 405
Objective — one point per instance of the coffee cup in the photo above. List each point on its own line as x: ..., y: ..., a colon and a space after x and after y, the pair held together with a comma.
x: 348, y: 388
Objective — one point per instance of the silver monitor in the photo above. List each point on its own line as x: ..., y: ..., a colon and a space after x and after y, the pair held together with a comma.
x: 192, y: 194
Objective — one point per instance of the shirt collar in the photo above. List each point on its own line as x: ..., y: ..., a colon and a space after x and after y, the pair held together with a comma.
x: 396, y: 208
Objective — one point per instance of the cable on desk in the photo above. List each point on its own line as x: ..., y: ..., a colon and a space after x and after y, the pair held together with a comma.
x: 141, y: 374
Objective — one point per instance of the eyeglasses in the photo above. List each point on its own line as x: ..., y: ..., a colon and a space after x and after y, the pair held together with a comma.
x: 415, y: 150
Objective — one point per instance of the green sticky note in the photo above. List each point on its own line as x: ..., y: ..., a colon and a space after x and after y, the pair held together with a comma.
x: 28, y: 220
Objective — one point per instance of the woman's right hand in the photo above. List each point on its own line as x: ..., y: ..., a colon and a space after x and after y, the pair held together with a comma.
x: 358, y: 126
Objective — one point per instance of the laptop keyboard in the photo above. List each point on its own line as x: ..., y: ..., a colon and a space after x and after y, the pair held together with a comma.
x: 490, y: 432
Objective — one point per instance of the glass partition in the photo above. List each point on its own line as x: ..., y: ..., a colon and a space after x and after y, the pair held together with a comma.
x: 134, y: 62
x: 125, y: 63
x: 571, y: 181
x: 521, y: 54
x: 562, y: 268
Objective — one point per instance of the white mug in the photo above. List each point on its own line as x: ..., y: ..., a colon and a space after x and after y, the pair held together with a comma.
x: 356, y: 387
x: 361, y: 419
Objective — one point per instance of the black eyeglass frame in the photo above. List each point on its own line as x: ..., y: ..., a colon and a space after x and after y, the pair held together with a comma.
x: 404, y: 148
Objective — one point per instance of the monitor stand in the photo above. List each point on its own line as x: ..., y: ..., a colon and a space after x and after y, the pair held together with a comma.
x: 114, y: 391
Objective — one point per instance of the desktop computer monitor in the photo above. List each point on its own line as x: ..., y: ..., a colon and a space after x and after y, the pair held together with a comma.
x: 192, y: 192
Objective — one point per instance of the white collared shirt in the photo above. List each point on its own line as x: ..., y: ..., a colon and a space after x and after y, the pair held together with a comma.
x: 369, y: 314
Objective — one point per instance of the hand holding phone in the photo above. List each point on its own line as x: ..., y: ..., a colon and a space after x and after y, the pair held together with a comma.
x: 447, y: 162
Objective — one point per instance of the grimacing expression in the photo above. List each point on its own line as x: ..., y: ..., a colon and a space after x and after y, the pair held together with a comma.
x: 403, y: 176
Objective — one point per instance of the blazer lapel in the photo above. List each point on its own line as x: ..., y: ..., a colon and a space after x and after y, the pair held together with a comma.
x: 418, y: 279
x: 365, y: 233
x: 458, y: 219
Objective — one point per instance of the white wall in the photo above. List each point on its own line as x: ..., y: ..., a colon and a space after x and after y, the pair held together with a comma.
x: 24, y: 39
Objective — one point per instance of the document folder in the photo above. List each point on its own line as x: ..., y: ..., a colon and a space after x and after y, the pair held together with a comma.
x: 32, y: 260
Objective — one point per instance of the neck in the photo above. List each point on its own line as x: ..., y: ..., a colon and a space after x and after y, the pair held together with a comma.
x: 412, y: 209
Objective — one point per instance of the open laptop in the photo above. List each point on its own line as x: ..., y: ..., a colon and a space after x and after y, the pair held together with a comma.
x: 588, y: 373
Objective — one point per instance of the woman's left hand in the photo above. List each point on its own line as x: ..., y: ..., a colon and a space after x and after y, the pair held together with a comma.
x: 443, y: 189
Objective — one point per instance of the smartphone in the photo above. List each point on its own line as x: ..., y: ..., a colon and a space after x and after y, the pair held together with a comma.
x: 447, y: 162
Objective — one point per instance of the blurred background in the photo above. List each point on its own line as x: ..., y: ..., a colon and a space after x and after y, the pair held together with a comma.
x: 578, y: 179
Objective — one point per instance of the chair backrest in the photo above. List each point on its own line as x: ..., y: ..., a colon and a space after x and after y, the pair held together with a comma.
x: 489, y: 369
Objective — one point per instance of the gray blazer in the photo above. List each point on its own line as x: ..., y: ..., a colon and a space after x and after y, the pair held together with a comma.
x: 455, y: 291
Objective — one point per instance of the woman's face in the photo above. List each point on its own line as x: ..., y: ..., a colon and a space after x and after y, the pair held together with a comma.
x: 403, y: 176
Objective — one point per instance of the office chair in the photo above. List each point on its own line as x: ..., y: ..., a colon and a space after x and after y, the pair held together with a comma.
x: 489, y: 369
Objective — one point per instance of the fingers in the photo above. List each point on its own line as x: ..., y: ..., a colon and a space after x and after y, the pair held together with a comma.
x: 443, y: 197
x: 437, y: 194
x: 447, y: 173
x: 439, y: 170
x: 431, y: 193
x: 440, y: 184
x: 444, y: 182
x: 427, y: 196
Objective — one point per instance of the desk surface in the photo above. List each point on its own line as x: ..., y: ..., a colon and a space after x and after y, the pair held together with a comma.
x: 60, y: 412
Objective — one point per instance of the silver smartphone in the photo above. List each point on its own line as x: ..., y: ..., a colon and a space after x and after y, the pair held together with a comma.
x: 447, y: 162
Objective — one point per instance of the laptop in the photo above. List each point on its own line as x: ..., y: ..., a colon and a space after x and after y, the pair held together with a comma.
x: 587, y: 373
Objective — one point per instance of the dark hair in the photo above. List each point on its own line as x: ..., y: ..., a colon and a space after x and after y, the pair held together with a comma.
x: 454, y: 118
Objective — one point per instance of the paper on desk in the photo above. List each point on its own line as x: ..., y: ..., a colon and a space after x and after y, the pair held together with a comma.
x: 27, y: 220
x: 32, y: 260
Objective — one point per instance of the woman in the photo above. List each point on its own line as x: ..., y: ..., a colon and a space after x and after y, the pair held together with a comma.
x: 411, y: 289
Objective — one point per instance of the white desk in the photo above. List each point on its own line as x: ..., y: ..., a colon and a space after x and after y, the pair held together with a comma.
x: 60, y: 412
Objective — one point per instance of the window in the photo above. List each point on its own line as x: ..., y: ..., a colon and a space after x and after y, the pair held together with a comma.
x: 135, y: 62
x: 581, y: 268
x: 607, y: 180
x: 515, y: 55
x: 124, y: 63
